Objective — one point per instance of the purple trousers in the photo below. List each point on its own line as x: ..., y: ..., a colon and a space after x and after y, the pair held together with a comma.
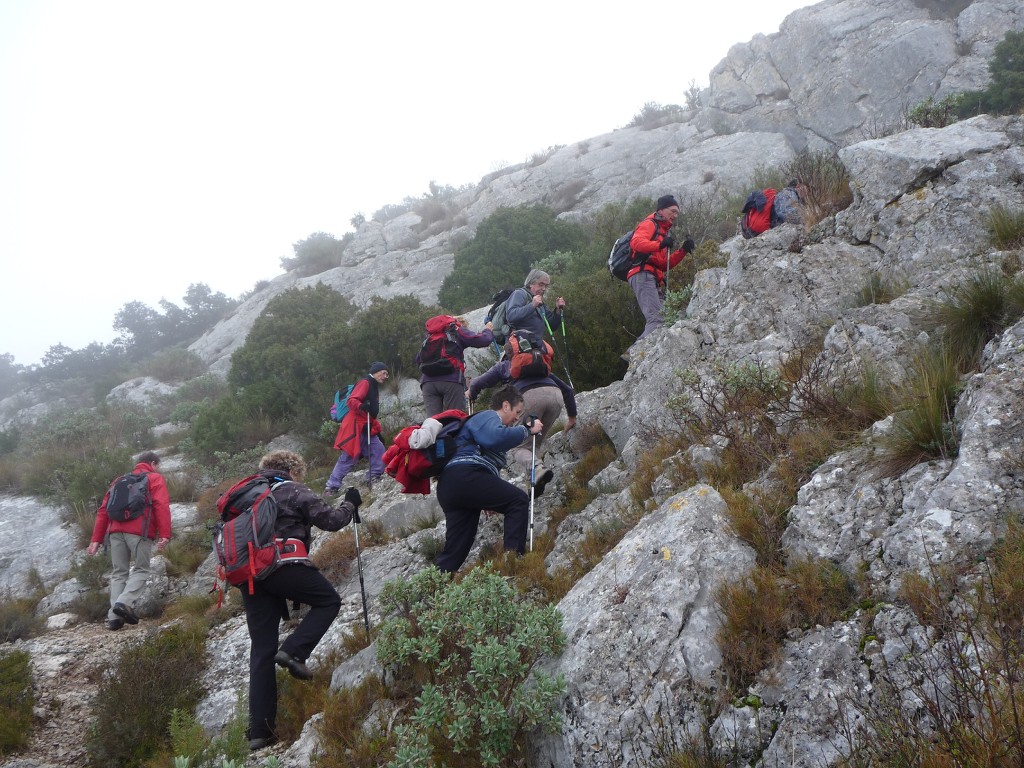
x: 375, y: 452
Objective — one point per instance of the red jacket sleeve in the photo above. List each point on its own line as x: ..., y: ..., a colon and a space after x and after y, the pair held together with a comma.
x: 643, y: 240
x: 99, y: 529
x: 161, y: 505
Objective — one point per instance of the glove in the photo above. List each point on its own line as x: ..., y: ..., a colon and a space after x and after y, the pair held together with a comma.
x: 668, y: 242
x: 352, y: 497
x: 689, y: 245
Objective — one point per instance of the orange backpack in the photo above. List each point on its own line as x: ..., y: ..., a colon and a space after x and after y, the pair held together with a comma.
x: 527, y: 357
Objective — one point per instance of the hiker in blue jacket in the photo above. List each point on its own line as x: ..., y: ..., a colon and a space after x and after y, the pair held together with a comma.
x: 525, y: 308
x: 543, y: 397
x: 470, y: 482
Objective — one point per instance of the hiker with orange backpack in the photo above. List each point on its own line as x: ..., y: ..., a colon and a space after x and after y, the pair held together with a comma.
x: 654, y: 255
x: 442, y: 362
x: 543, y: 394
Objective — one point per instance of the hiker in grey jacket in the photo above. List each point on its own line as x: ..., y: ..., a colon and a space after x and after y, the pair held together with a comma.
x: 525, y: 308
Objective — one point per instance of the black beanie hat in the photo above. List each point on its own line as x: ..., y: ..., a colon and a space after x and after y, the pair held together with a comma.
x: 377, y: 367
x: 667, y: 201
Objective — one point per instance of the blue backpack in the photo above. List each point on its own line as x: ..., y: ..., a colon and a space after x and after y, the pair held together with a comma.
x: 340, y: 407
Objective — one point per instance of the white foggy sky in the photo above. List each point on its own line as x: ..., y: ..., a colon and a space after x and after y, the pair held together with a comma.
x: 146, y: 145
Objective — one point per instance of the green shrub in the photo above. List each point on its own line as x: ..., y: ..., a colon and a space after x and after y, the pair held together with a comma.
x: 935, y: 114
x: 16, y: 701
x: 317, y: 253
x: 189, y: 739
x: 880, y: 289
x: 507, y: 243
x: 155, y: 677
x: 653, y: 115
x: 973, y: 312
x: 18, y: 619
x: 1006, y: 90
x: 1006, y: 228
x: 923, y: 429
x: 173, y: 365
x: 473, y: 646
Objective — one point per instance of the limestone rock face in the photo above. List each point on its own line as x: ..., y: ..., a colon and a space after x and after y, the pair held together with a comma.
x: 33, y: 540
x: 642, y: 662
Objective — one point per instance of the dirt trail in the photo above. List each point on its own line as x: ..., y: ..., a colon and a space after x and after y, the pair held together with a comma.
x: 67, y: 667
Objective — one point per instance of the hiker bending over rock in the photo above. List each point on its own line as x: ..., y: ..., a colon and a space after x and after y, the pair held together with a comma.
x: 138, y: 513
x: 470, y: 483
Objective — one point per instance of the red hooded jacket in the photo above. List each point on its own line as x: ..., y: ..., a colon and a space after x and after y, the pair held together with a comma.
x: 353, y: 426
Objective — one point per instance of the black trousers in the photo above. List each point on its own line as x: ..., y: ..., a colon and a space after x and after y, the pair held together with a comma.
x: 463, y: 491
x: 264, y: 611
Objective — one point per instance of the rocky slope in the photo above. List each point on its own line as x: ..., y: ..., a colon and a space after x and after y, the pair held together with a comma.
x: 640, y: 625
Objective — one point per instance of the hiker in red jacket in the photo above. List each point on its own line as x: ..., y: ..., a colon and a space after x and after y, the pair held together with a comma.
x: 653, y: 245
x: 353, y: 439
x: 130, y: 540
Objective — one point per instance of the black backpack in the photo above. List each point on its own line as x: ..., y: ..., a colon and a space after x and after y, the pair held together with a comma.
x: 440, y: 452
x: 622, y: 258
x: 128, y: 497
x: 496, y: 315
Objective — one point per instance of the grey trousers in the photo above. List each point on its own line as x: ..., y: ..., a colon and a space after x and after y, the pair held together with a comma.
x: 546, y: 404
x: 440, y: 396
x: 649, y: 297
x: 127, y: 584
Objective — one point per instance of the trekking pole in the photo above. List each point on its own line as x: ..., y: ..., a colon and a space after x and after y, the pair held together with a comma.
x: 359, y: 565
x: 565, y: 346
x: 533, y: 475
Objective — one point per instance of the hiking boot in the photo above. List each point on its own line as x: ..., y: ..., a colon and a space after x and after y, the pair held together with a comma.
x: 126, y: 613
x: 545, y: 477
x: 295, y: 667
x: 115, y: 624
x: 261, y: 742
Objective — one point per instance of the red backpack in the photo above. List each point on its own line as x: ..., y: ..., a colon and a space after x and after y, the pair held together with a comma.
x: 440, y: 353
x: 527, y: 357
x: 413, y: 467
x: 757, y: 213
x: 245, y: 539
